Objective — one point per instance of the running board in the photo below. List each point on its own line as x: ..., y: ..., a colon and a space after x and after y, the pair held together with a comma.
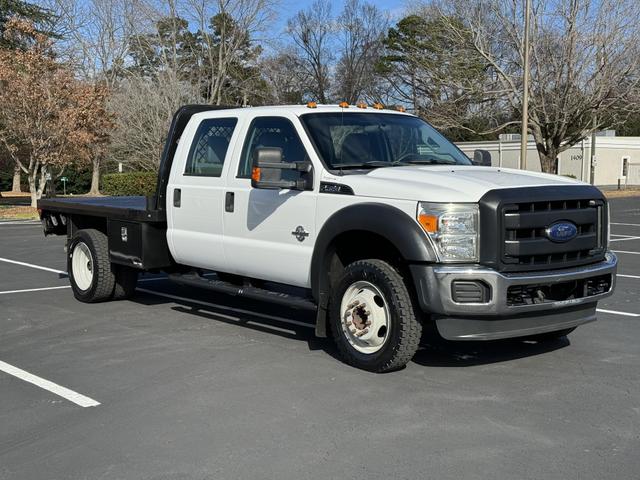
x: 253, y: 293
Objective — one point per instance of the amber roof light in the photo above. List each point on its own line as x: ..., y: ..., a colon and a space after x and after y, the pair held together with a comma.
x: 343, y: 105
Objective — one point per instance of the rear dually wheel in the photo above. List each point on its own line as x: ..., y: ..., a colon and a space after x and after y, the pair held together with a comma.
x: 89, y: 268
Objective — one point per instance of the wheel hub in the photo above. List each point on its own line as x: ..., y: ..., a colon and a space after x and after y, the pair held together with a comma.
x: 365, y: 317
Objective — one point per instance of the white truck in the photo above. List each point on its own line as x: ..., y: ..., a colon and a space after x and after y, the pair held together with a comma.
x: 381, y: 224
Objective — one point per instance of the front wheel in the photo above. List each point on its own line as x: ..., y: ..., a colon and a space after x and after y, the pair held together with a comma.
x: 374, y: 322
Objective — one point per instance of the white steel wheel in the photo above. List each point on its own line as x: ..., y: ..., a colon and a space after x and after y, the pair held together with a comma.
x: 82, y: 265
x: 365, y: 317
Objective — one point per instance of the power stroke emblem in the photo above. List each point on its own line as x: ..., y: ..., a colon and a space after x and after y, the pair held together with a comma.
x: 561, y: 232
x: 300, y: 233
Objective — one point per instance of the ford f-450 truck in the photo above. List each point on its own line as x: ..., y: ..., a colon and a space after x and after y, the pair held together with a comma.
x: 381, y: 224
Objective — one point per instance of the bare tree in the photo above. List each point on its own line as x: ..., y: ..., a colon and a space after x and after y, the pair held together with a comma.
x: 286, y: 81
x: 143, y: 110
x: 361, y: 27
x: 96, y: 37
x: 585, y: 63
x: 311, y: 31
x: 226, y: 34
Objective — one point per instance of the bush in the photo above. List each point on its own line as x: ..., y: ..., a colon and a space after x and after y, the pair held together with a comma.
x: 130, y: 183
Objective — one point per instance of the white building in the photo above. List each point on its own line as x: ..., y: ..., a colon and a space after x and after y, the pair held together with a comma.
x: 617, y: 158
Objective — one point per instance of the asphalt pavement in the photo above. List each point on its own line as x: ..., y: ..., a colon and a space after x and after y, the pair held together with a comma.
x: 184, y: 384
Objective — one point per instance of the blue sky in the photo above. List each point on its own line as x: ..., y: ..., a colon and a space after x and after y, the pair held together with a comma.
x: 290, y: 7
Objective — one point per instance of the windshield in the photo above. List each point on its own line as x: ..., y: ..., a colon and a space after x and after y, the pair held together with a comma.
x: 371, y: 140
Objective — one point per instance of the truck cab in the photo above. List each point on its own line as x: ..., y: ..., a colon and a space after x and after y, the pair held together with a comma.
x: 381, y: 222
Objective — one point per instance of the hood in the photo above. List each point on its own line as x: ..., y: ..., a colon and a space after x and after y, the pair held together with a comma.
x: 456, y: 183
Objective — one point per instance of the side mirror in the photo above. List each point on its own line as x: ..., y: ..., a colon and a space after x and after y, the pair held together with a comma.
x: 481, y: 158
x: 269, y: 171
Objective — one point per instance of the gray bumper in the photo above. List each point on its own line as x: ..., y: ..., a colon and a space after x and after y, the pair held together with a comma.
x: 497, y: 318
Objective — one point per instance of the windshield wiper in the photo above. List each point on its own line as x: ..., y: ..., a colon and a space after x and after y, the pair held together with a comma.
x: 432, y: 161
x: 370, y: 164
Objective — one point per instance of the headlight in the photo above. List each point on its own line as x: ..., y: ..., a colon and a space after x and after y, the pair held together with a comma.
x: 453, y: 229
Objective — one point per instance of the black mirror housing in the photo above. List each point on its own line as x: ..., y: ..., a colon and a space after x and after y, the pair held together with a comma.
x: 268, y: 171
x: 481, y: 158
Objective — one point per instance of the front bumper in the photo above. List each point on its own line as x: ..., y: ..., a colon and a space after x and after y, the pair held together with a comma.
x: 499, y: 317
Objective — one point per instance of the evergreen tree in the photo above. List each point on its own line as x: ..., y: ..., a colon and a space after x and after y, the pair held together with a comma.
x: 40, y: 17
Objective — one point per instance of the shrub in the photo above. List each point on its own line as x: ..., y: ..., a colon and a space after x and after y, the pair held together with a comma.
x: 130, y: 183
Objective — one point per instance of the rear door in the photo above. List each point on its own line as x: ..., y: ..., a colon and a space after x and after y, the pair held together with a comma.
x: 195, y: 196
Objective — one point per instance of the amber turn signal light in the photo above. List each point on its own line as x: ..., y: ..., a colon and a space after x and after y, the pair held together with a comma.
x: 255, y: 174
x: 428, y: 222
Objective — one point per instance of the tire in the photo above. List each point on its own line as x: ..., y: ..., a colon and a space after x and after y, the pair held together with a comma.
x: 549, y: 336
x: 381, y: 296
x: 89, y: 268
x: 126, y: 280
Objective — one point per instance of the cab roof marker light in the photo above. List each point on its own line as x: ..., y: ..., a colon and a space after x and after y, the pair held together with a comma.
x: 312, y: 105
x: 401, y: 109
x: 378, y: 106
x: 361, y: 105
x: 343, y: 105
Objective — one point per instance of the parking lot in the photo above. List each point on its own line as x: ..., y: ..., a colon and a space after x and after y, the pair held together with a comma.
x: 184, y: 384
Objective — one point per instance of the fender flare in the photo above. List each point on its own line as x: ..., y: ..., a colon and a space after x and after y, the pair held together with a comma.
x: 387, y: 221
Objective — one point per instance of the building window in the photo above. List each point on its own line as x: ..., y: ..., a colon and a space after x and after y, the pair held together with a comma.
x: 625, y: 167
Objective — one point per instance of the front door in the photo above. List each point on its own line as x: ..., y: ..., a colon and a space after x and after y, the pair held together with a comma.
x: 270, y: 234
x: 195, y: 197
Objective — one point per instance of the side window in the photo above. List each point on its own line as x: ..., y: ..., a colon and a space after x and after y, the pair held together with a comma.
x: 209, y: 147
x: 271, y: 132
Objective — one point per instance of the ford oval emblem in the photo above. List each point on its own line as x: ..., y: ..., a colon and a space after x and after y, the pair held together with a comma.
x: 561, y: 231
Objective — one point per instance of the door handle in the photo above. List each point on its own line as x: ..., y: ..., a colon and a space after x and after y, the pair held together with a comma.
x: 177, y: 197
x: 229, y: 199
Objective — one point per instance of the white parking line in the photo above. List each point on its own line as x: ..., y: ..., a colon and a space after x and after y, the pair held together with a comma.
x: 627, y: 224
x: 627, y: 276
x: 223, y: 307
x: 19, y: 223
x: 626, y: 251
x: 615, y: 312
x: 30, y: 265
x: 59, y: 390
x: 623, y: 239
x: 34, y: 289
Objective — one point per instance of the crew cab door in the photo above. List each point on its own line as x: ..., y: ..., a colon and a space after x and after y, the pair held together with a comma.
x: 195, y: 194
x: 270, y: 234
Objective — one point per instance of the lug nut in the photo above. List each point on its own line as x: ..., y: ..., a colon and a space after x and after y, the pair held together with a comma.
x: 362, y: 332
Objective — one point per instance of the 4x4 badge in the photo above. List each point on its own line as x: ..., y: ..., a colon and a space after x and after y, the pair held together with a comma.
x: 300, y: 233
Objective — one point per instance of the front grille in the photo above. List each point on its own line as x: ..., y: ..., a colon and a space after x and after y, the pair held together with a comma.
x: 527, y: 246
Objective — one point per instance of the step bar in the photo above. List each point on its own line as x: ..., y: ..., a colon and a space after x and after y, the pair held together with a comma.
x: 252, y: 293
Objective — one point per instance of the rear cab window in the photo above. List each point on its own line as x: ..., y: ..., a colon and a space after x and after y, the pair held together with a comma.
x: 209, y: 147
